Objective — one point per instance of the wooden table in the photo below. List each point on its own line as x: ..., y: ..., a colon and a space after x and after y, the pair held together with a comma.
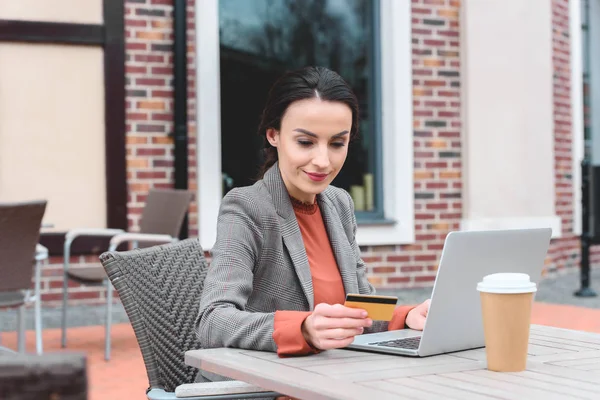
x: 562, y: 364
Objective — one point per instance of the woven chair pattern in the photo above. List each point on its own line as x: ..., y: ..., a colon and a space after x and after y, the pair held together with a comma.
x: 160, y: 289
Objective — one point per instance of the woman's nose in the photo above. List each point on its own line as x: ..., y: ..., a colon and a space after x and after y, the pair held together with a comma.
x: 321, y: 159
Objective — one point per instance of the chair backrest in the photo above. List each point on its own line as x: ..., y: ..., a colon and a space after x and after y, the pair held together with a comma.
x: 160, y: 289
x: 19, y: 234
x: 164, y: 211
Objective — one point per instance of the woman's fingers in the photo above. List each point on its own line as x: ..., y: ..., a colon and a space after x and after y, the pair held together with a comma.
x: 322, y: 323
x: 334, y: 326
x: 426, y: 305
x: 340, y: 333
x: 339, y: 311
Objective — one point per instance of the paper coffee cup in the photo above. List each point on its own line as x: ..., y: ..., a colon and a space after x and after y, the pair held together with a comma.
x: 506, y: 300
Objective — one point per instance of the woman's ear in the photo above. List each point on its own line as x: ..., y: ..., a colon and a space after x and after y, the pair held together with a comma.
x: 273, y: 137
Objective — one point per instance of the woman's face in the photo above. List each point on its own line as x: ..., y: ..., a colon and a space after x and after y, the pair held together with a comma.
x: 312, y: 145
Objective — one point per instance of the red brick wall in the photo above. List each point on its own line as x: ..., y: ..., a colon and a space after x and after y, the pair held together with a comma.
x: 192, y: 136
x: 436, y: 134
x: 437, y: 145
x: 149, y: 74
x: 149, y: 102
x: 437, y: 148
x: 563, y: 252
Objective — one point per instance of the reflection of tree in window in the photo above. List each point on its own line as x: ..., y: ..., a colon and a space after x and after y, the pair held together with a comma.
x: 260, y: 39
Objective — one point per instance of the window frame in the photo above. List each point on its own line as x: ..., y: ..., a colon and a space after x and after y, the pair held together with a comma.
x: 396, y: 118
x: 376, y: 215
x: 577, y: 105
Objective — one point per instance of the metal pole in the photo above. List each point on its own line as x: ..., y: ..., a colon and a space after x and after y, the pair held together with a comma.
x: 588, y: 173
x: 586, y: 236
x: 180, y: 115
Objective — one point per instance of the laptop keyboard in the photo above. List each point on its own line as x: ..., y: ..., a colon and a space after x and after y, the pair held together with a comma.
x: 407, y: 343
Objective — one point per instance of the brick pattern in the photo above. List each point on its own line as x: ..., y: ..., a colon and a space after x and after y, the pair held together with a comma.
x: 564, y: 252
x: 149, y: 106
x: 149, y: 101
x: 437, y: 144
x: 437, y: 148
x: 149, y: 84
x: 192, y: 135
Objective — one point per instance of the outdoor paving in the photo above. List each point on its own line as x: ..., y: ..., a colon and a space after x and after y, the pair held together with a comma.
x: 124, y: 376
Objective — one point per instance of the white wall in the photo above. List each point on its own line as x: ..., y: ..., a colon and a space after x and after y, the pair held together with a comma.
x: 78, y: 11
x: 52, y: 131
x: 507, y: 110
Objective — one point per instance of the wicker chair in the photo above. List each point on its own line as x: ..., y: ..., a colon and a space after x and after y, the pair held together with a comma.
x: 160, y: 289
x: 161, y: 221
x: 19, y: 233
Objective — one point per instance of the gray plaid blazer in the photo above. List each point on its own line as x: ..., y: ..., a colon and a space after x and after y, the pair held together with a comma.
x: 260, y: 265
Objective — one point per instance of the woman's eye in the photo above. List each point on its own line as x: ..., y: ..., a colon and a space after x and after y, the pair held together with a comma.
x: 338, y: 144
x: 304, y: 143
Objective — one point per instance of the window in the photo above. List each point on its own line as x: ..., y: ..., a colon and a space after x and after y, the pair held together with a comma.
x: 245, y: 45
x: 261, y: 39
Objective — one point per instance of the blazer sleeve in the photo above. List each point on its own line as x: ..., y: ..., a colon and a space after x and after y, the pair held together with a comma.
x: 222, y: 320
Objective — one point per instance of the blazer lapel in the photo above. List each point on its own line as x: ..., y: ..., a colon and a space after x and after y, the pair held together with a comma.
x: 292, y: 237
x: 342, y: 250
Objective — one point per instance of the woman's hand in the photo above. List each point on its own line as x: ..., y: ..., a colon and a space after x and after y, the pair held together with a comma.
x: 334, y: 326
x: 417, y: 316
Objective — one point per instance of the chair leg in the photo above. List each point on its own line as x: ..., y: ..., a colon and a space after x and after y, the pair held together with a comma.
x: 64, y: 310
x: 38, y: 310
x: 39, y: 344
x: 109, y: 290
x: 21, y: 329
x: 66, y: 262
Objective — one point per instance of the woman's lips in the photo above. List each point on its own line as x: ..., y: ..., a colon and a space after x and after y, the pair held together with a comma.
x: 316, y: 177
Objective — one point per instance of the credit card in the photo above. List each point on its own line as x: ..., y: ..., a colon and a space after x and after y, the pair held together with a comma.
x: 379, y: 308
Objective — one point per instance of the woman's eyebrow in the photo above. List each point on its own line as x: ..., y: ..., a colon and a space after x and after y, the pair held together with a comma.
x: 309, y: 133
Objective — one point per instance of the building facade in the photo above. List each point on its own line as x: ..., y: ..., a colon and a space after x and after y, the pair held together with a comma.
x: 472, y: 112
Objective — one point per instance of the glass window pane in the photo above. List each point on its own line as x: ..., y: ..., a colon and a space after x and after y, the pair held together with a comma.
x: 260, y: 40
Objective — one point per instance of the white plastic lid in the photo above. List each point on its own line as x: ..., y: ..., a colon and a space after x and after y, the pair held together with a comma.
x: 507, y: 283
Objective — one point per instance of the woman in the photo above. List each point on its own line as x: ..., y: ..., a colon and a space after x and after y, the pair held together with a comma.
x: 286, y: 254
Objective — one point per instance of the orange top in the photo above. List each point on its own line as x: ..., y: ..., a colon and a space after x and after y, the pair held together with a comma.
x: 327, y: 284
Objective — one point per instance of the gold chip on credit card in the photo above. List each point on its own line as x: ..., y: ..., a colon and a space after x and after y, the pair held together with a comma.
x: 378, y: 308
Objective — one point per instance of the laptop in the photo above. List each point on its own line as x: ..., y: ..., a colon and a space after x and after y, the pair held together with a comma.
x: 454, y: 321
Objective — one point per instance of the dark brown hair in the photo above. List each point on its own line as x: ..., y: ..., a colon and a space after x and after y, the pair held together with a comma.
x: 305, y: 83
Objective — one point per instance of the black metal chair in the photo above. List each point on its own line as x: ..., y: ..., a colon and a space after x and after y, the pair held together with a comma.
x: 20, y: 261
x: 160, y: 288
